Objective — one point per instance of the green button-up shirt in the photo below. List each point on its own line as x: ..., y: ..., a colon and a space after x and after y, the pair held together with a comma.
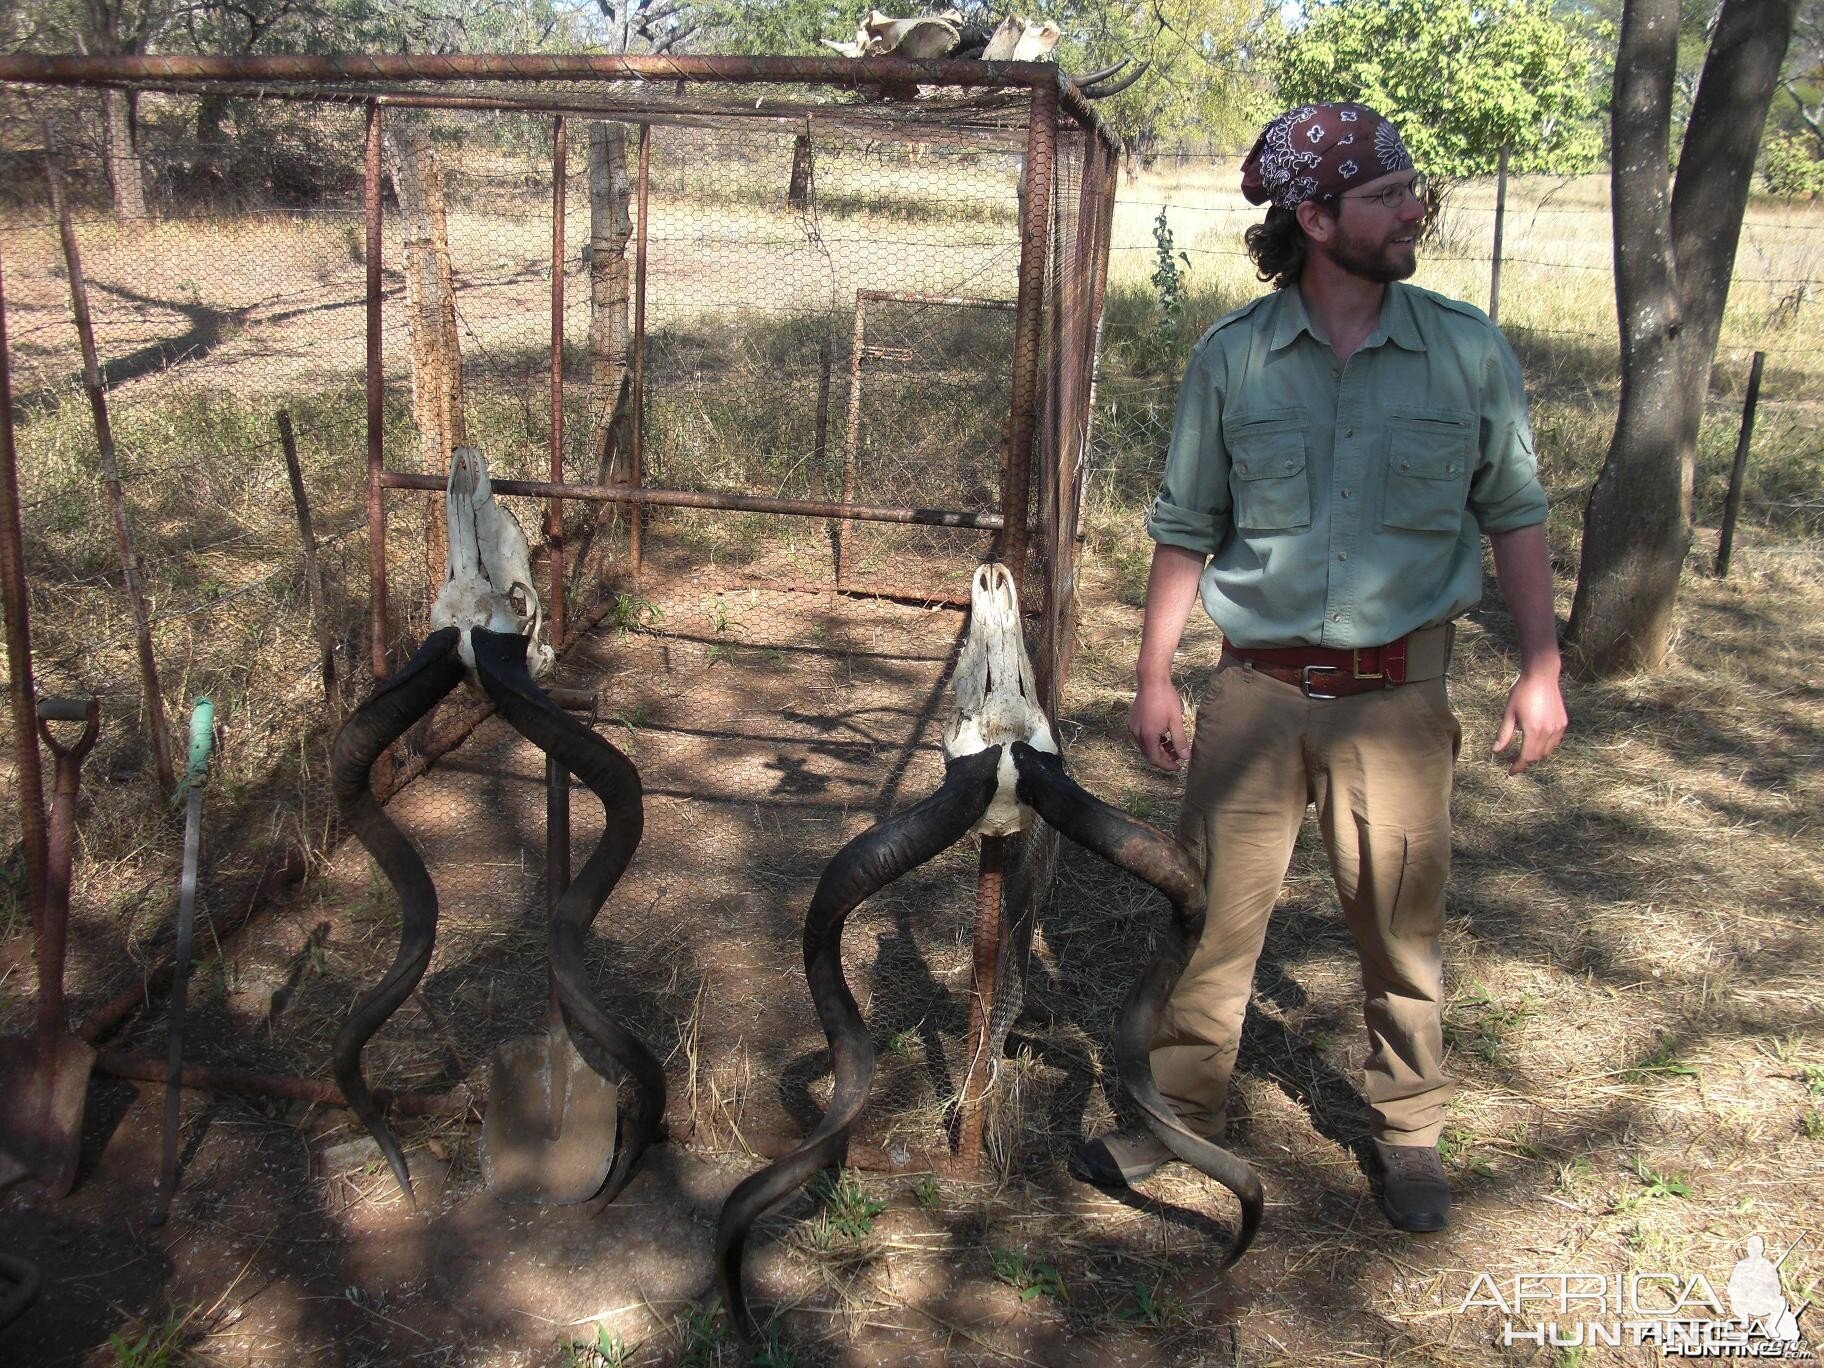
x: 1341, y: 505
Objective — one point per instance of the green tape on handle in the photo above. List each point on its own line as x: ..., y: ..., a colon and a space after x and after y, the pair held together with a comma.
x: 202, y: 740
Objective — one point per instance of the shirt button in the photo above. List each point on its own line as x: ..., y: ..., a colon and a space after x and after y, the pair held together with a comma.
x: 1336, y: 617
x: 1345, y: 493
x: 1348, y: 432
x: 1335, y: 374
x: 1342, y: 555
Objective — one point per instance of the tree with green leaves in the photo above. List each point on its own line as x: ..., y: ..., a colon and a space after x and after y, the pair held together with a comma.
x: 1675, y: 244
x: 1461, y: 78
x: 1794, y: 156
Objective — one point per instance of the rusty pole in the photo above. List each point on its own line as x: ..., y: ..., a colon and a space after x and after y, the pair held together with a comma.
x: 820, y: 441
x: 851, y: 451
x: 636, y: 459
x: 376, y: 418
x: 313, y: 573
x: 1732, y: 506
x: 110, y: 473
x: 345, y: 68
x: 972, y: 1111
x: 554, y: 508
x: 247, y: 1083
x: 1035, y: 226
x: 26, y: 760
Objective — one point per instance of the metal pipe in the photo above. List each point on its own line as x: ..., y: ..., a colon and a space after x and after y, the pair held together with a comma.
x: 110, y: 472
x: 376, y: 456
x: 733, y: 503
x: 917, y: 297
x: 247, y: 1083
x: 1035, y: 225
x: 28, y: 773
x: 344, y: 67
x: 313, y: 574
x: 636, y: 456
x: 972, y: 1114
x: 554, y: 509
x: 851, y: 450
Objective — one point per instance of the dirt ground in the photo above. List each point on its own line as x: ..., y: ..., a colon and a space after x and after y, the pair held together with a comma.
x: 1634, y: 952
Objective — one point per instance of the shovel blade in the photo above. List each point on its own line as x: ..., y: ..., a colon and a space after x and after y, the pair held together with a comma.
x: 43, y: 1084
x: 533, y: 1152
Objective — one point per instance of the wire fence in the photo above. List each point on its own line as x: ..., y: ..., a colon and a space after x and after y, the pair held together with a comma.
x: 762, y: 310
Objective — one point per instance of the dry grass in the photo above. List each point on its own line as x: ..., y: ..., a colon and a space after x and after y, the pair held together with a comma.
x: 1634, y: 950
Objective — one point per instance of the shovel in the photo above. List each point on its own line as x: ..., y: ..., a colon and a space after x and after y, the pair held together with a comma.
x: 190, y: 789
x: 44, y: 1077
x: 549, y: 1133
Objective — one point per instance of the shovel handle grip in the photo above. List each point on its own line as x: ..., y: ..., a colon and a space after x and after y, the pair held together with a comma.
x: 64, y: 709
x: 202, y: 741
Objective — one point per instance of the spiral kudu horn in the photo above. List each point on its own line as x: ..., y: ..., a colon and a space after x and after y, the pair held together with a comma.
x: 1155, y: 858
x: 397, y: 702
x: 500, y: 660
x: 863, y: 867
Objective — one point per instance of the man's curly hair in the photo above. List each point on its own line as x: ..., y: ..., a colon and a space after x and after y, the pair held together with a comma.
x: 1277, y: 247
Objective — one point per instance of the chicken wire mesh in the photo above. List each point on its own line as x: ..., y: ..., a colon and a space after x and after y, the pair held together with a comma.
x: 829, y: 312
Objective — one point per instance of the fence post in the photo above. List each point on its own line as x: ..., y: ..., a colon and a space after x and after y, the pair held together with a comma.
x: 1494, y: 280
x: 28, y: 774
x: 110, y: 474
x: 554, y: 508
x: 313, y: 574
x: 376, y: 379
x: 1733, y: 506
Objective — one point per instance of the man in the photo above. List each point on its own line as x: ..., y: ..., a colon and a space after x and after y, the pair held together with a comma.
x: 1339, y: 446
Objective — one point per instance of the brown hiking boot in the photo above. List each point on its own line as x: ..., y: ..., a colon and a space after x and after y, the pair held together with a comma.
x: 1415, y: 1194
x: 1118, y: 1159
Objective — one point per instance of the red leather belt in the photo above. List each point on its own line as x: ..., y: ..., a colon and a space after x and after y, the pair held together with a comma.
x: 1328, y: 671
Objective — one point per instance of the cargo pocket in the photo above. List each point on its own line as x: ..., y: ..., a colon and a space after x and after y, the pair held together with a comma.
x: 1267, y: 475
x: 1428, y: 460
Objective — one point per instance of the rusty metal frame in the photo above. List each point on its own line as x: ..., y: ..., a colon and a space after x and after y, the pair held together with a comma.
x: 554, y: 507
x: 1071, y: 317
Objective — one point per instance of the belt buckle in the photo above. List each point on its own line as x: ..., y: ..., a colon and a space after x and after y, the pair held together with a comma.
x: 1305, y: 680
x: 1355, y: 663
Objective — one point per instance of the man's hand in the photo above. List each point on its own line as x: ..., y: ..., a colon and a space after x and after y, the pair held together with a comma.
x: 1535, y: 709
x: 1156, y: 719
x: 1156, y: 722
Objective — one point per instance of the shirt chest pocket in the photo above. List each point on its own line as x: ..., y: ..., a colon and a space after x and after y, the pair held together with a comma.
x: 1267, y: 478
x: 1428, y: 461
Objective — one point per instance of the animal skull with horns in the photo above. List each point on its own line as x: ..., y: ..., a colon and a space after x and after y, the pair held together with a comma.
x: 488, y: 569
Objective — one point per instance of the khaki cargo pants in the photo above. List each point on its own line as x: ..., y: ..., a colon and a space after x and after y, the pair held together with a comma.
x: 1378, y: 768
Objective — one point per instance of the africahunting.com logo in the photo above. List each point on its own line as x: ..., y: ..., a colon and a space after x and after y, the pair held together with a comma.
x: 1679, y: 1313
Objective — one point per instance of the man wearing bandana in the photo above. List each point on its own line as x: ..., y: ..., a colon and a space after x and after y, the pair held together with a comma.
x: 1341, y: 447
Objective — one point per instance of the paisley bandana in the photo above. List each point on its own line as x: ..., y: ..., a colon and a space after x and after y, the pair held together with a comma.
x: 1321, y: 149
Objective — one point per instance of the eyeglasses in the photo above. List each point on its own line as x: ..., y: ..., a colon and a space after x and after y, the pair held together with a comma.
x: 1393, y: 196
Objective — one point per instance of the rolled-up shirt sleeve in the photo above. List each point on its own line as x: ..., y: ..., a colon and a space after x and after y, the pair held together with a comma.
x: 1192, y: 509
x: 1505, y: 492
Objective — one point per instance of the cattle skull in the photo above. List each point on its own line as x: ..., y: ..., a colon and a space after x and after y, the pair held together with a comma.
x: 488, y: 569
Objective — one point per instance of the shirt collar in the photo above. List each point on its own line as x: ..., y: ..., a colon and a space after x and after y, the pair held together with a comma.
x: 1398, y: 323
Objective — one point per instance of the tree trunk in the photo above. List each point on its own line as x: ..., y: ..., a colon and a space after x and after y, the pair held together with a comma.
x: 1674, y: 256
x: 431, y: 305
x: 126, y: 178
x: 610, y: 229
x: 206, y: 179
x: 798, y: 193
